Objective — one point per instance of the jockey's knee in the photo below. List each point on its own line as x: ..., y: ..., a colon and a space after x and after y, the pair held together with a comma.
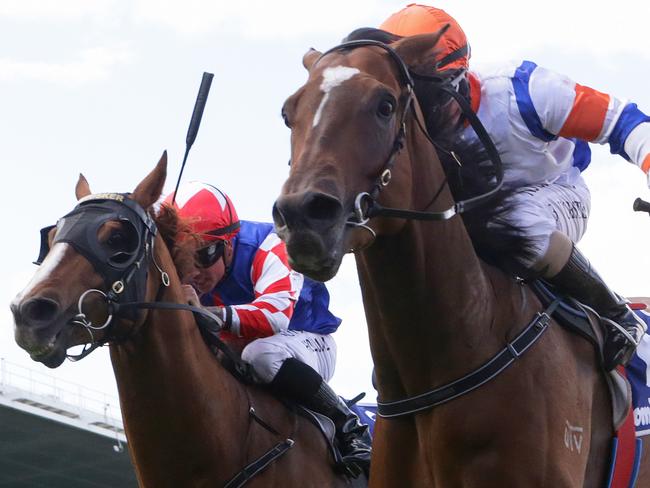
x: 555, y: 256
x: 266, y: 358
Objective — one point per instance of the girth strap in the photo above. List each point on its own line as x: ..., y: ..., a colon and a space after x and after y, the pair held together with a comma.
x: 478, y: 377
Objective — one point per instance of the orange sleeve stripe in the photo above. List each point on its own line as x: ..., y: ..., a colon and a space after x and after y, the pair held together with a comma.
x: 587, y: 114
x: 646, y: 164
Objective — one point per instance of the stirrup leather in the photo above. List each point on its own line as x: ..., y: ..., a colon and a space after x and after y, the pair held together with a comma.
x: 631, y: 339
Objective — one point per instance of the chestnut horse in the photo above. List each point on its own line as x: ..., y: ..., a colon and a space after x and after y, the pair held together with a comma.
x: 188, y: 421
x: 435, y: 311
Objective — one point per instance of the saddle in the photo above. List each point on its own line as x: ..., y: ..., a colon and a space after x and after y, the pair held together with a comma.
x: 584, y: 321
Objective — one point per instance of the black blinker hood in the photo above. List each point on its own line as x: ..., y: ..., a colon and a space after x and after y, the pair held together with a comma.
x: 80, y: 227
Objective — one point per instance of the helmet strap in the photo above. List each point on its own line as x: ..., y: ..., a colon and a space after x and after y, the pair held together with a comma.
x: 224, y: 230
x: 227, y: 265
x: 453, y: 56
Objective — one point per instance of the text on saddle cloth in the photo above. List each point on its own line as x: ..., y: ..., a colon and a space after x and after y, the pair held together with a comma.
x: 638, y: 374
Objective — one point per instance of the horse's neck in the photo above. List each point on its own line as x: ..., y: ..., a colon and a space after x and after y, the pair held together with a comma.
x: 173, y: 392
x: 429, y: 302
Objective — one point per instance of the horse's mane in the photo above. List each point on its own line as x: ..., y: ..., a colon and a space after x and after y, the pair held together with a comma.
x: 495, y: 240
x: 178, y: 237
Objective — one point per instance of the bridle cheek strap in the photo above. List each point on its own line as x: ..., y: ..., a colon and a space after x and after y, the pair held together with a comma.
x: 366, y: 206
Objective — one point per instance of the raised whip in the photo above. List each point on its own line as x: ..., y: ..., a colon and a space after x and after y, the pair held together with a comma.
x: 195, y: 122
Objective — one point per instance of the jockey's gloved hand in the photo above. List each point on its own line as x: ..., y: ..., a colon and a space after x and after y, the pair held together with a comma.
x: 209, y: 323
x: 209, y: 327
x: 191, y: 296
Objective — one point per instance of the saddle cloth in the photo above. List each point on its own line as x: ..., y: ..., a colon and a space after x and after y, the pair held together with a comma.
x: 573, y: 316
x: 638, y: 374
x: 367, y: 413
x: 581, y: 320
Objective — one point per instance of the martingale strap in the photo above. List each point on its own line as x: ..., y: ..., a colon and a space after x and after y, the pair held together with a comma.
x: 252, y: 469
x: 477, y: 378
x: 259, y: 464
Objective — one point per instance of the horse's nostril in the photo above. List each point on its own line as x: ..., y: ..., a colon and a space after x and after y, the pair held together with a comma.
x: 278, y: 218
x: 307, y: 210
x: 39, y: 309
x: 322, y: 207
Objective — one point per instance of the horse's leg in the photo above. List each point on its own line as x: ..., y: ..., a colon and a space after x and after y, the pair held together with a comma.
x: 396, y: 456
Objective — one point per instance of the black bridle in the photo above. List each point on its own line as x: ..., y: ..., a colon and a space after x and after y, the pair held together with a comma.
x: 366, y: 206
x: 124, y: 271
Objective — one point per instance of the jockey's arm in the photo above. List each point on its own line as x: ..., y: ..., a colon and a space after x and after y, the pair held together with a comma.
x: 276, y: 289
x: 571, y: 110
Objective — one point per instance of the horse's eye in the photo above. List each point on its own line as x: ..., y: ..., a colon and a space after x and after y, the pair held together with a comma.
x: 117, y: 241
x: 386, y: 108
x: 123, y: 238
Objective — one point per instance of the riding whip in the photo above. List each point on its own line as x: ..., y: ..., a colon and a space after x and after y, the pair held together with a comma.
x: 641, y: 206
x: 195, y: 122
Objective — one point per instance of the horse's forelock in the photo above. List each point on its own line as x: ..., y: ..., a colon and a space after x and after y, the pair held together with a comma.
x: 179, y: 238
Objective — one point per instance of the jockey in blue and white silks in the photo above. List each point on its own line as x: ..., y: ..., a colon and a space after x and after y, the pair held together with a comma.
x: 541, y: 123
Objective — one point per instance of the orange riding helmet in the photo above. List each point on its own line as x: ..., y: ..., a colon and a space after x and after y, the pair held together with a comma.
x: 417, y: 19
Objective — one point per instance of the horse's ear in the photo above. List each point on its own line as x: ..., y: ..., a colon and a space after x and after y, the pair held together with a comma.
x: 149, y: 190
x: 83, y: 188
x: 419, y: 52
x: 310, y: 58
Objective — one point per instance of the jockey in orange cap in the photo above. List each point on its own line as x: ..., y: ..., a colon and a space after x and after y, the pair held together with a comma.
x: 420, y: 19
x: 242, y: 274
x: 541, y: 123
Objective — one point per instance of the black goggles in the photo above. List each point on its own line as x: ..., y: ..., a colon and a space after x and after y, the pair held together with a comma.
x: 210, y: 254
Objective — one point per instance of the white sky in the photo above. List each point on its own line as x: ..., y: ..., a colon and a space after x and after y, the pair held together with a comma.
x: 103, y: 86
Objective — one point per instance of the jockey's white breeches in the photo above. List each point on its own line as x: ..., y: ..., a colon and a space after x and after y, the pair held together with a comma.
x: 539, y: 210
x: 266, y: 355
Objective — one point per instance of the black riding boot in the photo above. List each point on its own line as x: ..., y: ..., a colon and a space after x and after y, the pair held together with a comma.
x: 302, y: 384
x: 578, y: 279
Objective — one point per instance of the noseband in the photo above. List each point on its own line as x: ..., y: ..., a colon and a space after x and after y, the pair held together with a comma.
x: 366, y: 206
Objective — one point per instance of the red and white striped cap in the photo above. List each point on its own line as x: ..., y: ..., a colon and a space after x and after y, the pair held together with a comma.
x: 209, y: 211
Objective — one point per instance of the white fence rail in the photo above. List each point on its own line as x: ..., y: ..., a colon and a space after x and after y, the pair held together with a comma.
x: 74, y: 396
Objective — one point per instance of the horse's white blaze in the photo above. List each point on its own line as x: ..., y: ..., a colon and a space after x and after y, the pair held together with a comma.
x: 53, y: 259
x: 332, y: 77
